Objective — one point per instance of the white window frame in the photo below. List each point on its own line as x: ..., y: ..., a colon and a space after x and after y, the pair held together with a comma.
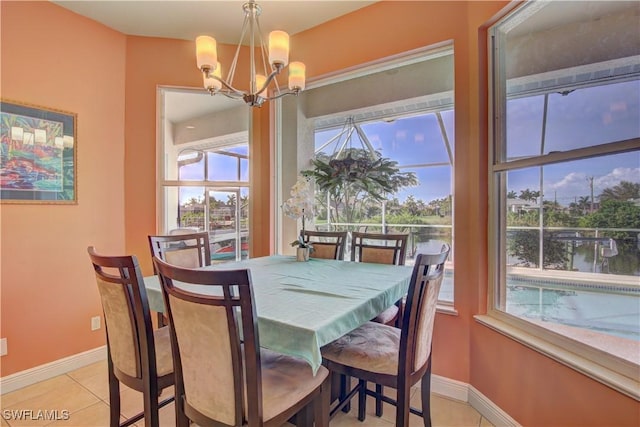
x: 617, y: 373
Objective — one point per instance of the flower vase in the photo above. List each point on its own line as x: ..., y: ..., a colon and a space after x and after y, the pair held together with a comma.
x: 302, y: 254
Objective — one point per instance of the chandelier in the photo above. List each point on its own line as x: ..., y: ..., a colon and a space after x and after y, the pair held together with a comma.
x: 278, y: 55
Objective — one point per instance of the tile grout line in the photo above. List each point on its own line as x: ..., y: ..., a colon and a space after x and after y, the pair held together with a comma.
x: 80, y: 409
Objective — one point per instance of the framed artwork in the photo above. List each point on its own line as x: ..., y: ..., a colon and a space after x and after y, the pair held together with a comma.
x: 38, y: 154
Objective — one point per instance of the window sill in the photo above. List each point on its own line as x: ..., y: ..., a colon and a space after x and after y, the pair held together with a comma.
x: 596, y: 369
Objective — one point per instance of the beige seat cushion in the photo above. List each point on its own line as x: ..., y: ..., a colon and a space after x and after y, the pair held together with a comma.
x: 164, y: 359
x: 285, y: 381
x: 372, y: 347
x: 387, y: 316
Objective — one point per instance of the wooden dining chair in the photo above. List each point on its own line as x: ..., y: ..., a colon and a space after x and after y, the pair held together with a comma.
x: 182, y: 247
x: 222, y: 380
x: 393, y: 357
x: 326, y: 244
x: 137, y: 356
x: 189, y: 250
x: 381, y: 249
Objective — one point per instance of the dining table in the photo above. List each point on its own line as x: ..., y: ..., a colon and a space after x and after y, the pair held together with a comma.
x: 301, y: 306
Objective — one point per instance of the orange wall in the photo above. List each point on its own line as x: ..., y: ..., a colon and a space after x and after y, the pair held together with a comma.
x: 532, y: 388
x: 57, y: 59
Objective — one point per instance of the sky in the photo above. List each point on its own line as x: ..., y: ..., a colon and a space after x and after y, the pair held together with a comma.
x: 581, y: 118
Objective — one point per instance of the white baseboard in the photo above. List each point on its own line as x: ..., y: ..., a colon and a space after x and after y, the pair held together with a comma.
x: 450, y: 388
x: 467, y: 393
x: 52, y: 369
x: 489, y: 410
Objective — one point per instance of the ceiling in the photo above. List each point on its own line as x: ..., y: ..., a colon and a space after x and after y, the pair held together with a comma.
x: 221, y: 19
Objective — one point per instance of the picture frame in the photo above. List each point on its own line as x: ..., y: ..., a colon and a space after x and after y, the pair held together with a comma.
x: 38, y: 154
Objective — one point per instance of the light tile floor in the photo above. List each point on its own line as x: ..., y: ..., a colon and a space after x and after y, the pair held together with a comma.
x: 85, y: 394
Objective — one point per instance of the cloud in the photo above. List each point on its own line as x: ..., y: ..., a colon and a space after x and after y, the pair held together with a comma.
x: 576, y: 184
x: 571, y: 185
x: 614, y: 177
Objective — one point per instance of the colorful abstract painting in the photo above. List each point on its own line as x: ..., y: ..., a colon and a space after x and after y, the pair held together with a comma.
x: 37, y: 154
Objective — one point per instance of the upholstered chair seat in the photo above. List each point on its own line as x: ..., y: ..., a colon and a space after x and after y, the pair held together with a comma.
x: 286, y: 381
x: 388, y: 317
x: 373, y: 347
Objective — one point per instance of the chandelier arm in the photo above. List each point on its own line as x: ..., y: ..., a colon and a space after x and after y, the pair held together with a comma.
x: 232, y: 68
x: 271, y: 76
x: 228, y: 86
x: 230, y: 95
x: 282, y: 94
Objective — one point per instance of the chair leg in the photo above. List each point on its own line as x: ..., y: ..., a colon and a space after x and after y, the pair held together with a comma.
x: 321, y: 405
x: 304, y: 417
x: 161, y: 320
x: 402, y: 407
x: 345, y: 380
x: 425, y: 390
x: 379, y: 392
x: 151, y: 407
x: 181, y: 417
x: 114, y: 397
x: 362, y: 400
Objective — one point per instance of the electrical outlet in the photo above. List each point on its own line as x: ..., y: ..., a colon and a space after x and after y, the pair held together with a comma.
x: 3, y: 347
x: 95, y: 323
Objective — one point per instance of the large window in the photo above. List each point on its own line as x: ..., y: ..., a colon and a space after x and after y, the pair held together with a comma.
x: 204, y: 165
x: 421, y: 145
x: 565, y: 176
x: 399, y: 113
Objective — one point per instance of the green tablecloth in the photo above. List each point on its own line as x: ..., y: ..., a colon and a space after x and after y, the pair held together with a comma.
x: 302, y: 306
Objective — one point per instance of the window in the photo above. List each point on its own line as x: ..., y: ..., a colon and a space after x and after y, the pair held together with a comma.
x: 401, y: 110
x: 205, y: 169
x: 421, y: 145
x: 565, y: 177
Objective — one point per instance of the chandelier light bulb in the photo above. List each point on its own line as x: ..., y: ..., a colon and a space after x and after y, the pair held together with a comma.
x: 278, y: 48
x: 211, y: 84
x: 260, y: 81
x: 296, y: 76
x: 206, y: 52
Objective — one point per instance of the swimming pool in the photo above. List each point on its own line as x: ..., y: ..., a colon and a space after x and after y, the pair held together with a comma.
x: 602, y: 306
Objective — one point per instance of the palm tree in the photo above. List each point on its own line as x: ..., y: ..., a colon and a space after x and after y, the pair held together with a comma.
x: 624, y: 191
x: 529, y: 196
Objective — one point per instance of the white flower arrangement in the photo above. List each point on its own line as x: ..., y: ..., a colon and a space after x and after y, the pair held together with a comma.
x: 300, y: 205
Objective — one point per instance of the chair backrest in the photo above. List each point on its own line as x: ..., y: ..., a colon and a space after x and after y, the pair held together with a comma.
x: 326, y: 244
x: 126, y: 312
x: 420, y: 311
x: 378, y: 248
x: 205, y: 335
x: 190, y: 250
x: 184, y: 230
